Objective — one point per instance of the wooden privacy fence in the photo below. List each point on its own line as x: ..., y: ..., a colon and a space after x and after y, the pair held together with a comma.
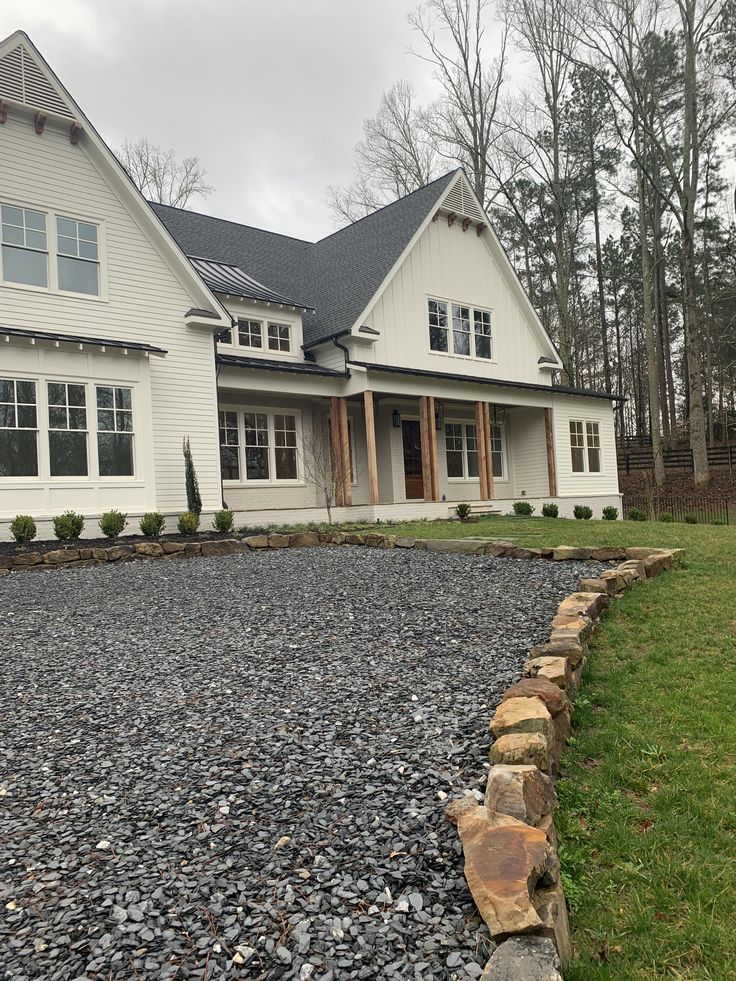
x: 681, y: 459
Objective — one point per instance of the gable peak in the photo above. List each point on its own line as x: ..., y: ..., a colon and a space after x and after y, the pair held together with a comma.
x: 461, y: 200
x: 25, y: 81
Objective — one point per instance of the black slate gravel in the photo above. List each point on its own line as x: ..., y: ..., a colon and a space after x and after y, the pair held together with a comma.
x: 237, y: 767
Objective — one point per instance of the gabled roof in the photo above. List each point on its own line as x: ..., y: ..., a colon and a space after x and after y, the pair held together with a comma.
x: 29, y: 85
x: 337, y: 276
x: 223, y: 277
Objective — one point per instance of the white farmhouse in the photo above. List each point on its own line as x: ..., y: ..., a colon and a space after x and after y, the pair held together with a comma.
x: 401, y: 352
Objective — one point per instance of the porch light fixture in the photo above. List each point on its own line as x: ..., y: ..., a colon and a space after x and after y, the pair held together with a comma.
x: 499, y: 415
x: 439, y: 415
x: 396, y: 419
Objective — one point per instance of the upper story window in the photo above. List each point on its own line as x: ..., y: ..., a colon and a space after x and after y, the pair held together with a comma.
x: 279, y: 337
x: 49, y: 251
x: 585, y: 446
x: 78, y: 259
x: 18, y: 429
x: 24, y: 246
x: 471, y: 330
x: 250, y: 333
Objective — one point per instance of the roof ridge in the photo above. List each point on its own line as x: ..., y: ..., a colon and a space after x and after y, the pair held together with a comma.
x: 229, y: 221
x: 371, y: 214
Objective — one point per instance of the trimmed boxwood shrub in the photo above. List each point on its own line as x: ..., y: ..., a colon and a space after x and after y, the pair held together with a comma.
x: 667, y: 517
x: 152, y: 524
x: 523, y: 508
x: 582, y: 512
x: 636, y: 515
x: 68, y: 525
x: 23, y: 528
x: 691, y: 518
x: 112, y: 523
x: 610, y: 513
x: 188, y: 523
x: 462, y: 510
x: 223, y: 520
x: 550, y: 511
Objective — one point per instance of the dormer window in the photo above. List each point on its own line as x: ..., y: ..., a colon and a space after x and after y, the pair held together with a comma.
x: 279, y: 337
x: 250, y: 333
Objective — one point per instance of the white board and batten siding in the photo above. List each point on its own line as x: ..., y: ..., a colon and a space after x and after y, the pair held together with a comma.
x: 142, y: 300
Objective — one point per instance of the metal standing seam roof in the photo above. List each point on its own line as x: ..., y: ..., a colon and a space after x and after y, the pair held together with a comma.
x: 47, y: 335
x: 294, y: 367
x: 225, y: 277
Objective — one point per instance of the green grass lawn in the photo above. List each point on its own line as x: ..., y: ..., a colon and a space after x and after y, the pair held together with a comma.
x: 648, y: 796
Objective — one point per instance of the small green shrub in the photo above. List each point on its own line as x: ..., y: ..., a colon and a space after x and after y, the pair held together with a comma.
x: 550, y: 511
x: 667, y: 517
x: 610, y: 513
x: 636, y: 515
x: 152, y: 524
x: 223, y: 520
x: 68, y: 525
x: 112, y: 523
x: 462, y: 510
x: 718, y: 521
x: 691, y: 518
x: 188, y: 523
x: 523, y: 508
x: 23, y: 528
x: 582, y: 512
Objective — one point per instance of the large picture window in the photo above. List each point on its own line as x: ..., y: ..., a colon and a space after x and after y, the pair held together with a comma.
x: 472, y: 333
x: 585, y: 446
x: 229, y: 446
x: 18, y: 429
x: 115, y: 431
x: 24, y: 246
x: 67, y: 405
x: 78, y: 257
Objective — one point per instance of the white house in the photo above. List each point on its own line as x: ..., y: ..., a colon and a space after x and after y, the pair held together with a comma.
x: 401, y: 351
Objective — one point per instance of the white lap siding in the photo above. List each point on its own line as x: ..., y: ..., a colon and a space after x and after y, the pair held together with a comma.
x: 527, y: 449
x: 571, y: 484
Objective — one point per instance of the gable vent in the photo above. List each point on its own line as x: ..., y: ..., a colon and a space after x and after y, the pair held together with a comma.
x: 461, y: 201
x: 21, y: 80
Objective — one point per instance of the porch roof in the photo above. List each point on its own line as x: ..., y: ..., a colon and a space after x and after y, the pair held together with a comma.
x: 496, y: 382
x: 47, y: 335
x: 266, y: 364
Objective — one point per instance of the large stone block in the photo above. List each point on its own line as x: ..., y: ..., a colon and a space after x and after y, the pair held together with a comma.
x: 256, y: 541
x: 60, y: 555
x: 374, y: 540
x: 505, y: 862
x: 276, y: 540
x: 524, y: 958
x: 192, y: 548
x: 354, y: 538
x: 171, y: 548
x: 570, y: 648
x: 118, y: 552
x: 565, y: 553
x: 608, y: 553
x: 592, y: 586
x: 464, y: 546
x: 654, y: 565
x: 302, y: 539
x: 555, y: 669
x: 521, y: 715
x: 519, y: 748
x: 500, y: 549
x: 523, y: 792
x: 549, y: 902
x: 585, y: 604
x: 223, y: 546
x: 150, y: 549
x: 27, y: 559
x: 554, y: 700
x: 405, y: 542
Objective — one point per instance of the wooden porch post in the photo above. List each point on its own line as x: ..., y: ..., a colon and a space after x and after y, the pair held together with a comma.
x: 347, y: 483
x: 551, y: 468
x: 424, y: 441
x: 336, y: 450
x: 489, y: 450
x: 481, y: 445
x: 370, y: 442
x: 434, y: 474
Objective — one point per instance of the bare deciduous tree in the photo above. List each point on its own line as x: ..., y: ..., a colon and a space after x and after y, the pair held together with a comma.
x: 160, y: 176
x: 320, y: 465
x: 395, y: 156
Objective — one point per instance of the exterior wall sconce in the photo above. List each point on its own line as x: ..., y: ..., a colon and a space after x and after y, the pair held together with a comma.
x: 499, y: 415
x: 396, y: 419
x: 439, y: 415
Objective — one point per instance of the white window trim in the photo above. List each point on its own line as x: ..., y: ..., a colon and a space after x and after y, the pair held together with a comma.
x: 42, y: 434
x: 235, y: 348
x: 450, y: 353
x: 504, y: 478
x: 586, y: 471
x: 269, y: 411
x: 52, y: 253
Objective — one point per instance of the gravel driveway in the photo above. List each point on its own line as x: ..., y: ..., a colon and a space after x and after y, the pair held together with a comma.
x: 236, y: 767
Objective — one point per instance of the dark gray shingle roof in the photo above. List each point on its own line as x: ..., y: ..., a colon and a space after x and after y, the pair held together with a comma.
x: 337, y: 276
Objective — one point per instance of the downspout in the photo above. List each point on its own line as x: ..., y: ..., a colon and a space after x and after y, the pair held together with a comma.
x: 215, y: 339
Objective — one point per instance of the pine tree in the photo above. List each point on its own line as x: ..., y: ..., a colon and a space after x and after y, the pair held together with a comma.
x: 194, y: 501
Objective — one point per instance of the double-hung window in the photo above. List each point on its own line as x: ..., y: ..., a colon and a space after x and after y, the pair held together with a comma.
x: 18, y: 429
x: 482, y: 331
x: 454, y: 449
x: 250, y: 333
x: 67, y: 405
x: 229, y: 446
x: 497, y: 451
x: 256, y: 446
x: 284, y: 433
x: 461, y: 448
x: 78, y: 256
x: 461, y: 330
x: 437, y: 314
x: 115, y: 431
x: 24, y: 246
x: 279, y: 337
x: 585, y: 446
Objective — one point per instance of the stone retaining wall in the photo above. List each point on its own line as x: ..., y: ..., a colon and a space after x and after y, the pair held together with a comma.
x: 509, y: 842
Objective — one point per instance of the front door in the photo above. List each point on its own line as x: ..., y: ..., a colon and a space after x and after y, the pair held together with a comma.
x: 412, y: 459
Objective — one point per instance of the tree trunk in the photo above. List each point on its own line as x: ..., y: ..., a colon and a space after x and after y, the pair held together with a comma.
x: 698, y: 442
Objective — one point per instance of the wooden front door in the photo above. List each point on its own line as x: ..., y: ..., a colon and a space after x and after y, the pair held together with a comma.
x: 412, y: 459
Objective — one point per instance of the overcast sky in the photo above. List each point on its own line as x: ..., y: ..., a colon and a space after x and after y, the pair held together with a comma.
x: 270, y: 94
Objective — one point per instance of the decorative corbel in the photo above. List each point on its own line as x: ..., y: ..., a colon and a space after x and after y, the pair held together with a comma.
x: 480, y: 229
x: 451, y: 219
x: 4, y: 106
x: 75, y: 131
x: 466, y: 224
x: 40, y: 122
